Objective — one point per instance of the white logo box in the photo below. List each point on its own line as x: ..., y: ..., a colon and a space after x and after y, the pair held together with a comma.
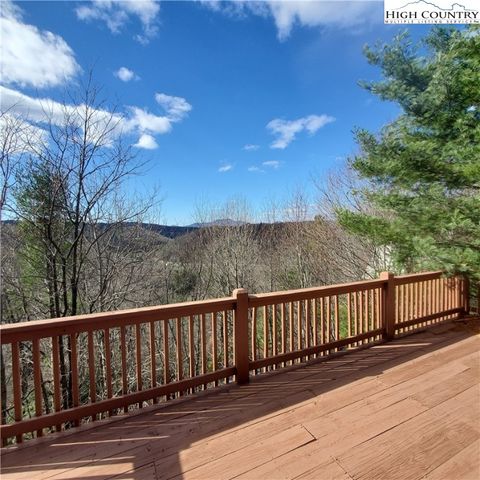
x: 454, y: 12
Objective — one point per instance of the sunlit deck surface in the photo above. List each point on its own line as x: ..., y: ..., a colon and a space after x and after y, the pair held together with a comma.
x: 405, y: 409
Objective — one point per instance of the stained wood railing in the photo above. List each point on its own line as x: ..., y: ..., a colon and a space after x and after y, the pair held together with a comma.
x: 63, y: 372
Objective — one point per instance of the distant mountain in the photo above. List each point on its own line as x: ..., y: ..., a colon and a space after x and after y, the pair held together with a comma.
x: 168, y: 231
x: 222, y: 222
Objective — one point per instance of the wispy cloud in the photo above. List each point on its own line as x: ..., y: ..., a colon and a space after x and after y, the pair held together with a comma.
x: 271, y: 164
x: 116, y: 13
x: 251, y: 147
x: 225, y: 168
x: 125, y: 74
x: 176, y: 108
x: 31, y: 57
x: 309, y: 13
x: 286, y: 130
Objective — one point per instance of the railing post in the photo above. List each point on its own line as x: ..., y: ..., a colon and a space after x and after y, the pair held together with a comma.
x: 478, y: 298
x: 466, y: 295
x: 388, y: 305
x: 241, y: 335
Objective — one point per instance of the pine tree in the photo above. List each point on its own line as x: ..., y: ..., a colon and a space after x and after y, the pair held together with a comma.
x: 422, y: 171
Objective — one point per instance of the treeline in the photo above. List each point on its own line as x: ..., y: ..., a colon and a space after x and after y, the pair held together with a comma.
x: 133, y: 265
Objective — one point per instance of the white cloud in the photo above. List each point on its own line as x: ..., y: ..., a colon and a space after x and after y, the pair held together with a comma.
x: 134, y: 120
x: 310, y: 13
x: 175, y: 107
x: 251, y: 147
x: 125, y: 74
x: 286, y: 130
x: 116, y: 13
x: 255, y: 169
x: 32, y: 57
x: 19, y: 136
x: 225, y: 168
x: 146, y: 142
x: 271, y: 164
x: 147, y: 122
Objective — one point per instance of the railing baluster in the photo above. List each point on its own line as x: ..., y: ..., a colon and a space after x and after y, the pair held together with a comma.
x: 315, y: 323
x: 57, y: 400
x: 428, y: 293
x: 274, y: 330
x: 366, y: 312
x: 179, y: 351
x: 74, y: 372
x: 373, y: 310
x: 91, y: 371
x: 138, y: 358
x: 361, y: 318
x: 254, y: 334
x: 299, y: 325
x: 203, y: 345
x: 408, y: 302
x: 355, y: 315
x: 349, y: 314
x: 418, y: 312
x: 401, y: 301
x: 37, y: 380
x: 322, y: 321
x: 337, y: 319
x: 108, y: 365
x: 191, y: 346
x: 153, y: 359
x: 308, y: 314
x: 284, y: 329
x: 421, y: 286
x: 17, y: 388
x: 214, y: 344
x: 225, y: 340
x: 265, y: 333
x: 166, y: 354
x: 291, y: 325
x: 123, y: 352
x: 329, y: 319
x: 378, y: 307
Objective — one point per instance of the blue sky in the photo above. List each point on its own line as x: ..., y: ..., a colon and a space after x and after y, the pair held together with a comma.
x: 246, y: 99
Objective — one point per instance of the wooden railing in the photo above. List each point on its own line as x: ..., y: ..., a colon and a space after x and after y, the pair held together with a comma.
x: 62, y: 372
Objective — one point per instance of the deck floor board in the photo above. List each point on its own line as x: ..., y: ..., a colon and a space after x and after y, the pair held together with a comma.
x: 406, y: 409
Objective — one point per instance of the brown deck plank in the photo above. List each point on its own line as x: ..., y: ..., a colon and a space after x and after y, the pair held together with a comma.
x: 256, y: 453
x: 415, y: 447
x: 465, y: 465
x: 327, y: 411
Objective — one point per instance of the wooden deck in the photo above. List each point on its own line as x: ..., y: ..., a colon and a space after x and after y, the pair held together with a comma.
x: 407, y: 409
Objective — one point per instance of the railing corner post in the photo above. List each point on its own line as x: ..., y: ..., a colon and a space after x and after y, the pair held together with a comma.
x: 388, y: 305
x: 466, y: 295
x: 241, y: 335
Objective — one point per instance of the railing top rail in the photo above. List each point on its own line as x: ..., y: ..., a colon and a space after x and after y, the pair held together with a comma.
x: 97, y: 321
x: 417, y: 277
x: 311, y: 293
